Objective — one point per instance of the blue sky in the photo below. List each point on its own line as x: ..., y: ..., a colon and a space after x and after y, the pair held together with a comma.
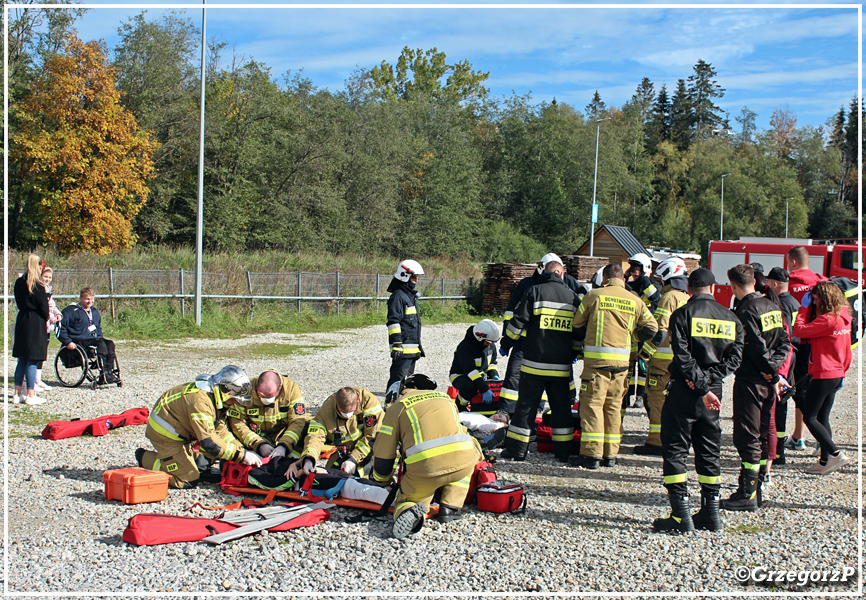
x: 800, y: 57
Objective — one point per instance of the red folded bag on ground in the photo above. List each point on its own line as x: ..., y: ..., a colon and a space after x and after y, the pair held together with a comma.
x: 482, y: 474
x: 151, y: 529
x: 58, y: 430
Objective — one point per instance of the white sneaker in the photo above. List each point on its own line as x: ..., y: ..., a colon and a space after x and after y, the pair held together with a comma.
x: 33, y: 400
x: 815, y: 468
x: 834, y: 463
x: 41, y: 387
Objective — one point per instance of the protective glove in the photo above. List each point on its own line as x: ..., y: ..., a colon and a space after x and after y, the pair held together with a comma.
x: 641, y: 364
x: 265, y: 450
x: 396, y: 353
x: 278, y: 452
x: 487, y: 397
x: 574, y: 360
x: 309, y: 465
x: 494, y: 377
x: 252, y: 459
x: 503, y: 352
x: 349, y: 466
x: 807, y: 300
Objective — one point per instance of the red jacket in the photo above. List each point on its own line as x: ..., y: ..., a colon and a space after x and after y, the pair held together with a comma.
x: 802, y: 281
x: 830, y: 337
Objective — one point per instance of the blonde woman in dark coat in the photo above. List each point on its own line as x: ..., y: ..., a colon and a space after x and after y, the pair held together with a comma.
x: 31, y: 345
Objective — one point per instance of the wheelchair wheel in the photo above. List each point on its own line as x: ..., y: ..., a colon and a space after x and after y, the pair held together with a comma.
x: 71, y: 367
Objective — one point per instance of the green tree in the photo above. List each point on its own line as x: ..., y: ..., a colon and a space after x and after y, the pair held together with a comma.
x: 746, y: 119
x: 596, y: 109
x: 703, y: 90
x: 682, y: 117
x: 659, y: 126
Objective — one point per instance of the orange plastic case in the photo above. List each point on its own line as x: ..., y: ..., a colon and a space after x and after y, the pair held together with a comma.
x: 135, y: 485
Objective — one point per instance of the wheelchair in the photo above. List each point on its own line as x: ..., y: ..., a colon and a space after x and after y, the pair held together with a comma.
x: 73, y: 367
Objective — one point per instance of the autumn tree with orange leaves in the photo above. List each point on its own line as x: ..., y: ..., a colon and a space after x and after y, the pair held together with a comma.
x: 81, y: 154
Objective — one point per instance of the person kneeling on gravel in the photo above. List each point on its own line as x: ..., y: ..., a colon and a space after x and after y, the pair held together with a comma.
x: 438, y: 453
x: 349, y: 420
x: 188, y: 419
x: 275, y: 422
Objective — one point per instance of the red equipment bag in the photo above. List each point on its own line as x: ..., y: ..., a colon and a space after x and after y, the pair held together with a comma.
x: 476, y: 404
x: 151, y: 529
x: 482, y: 474
x: 543, y: 439
x: 501, y: 497
x: 58, y: 430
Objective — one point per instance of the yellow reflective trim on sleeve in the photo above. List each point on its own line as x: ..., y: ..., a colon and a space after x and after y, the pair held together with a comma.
x: 291, y: 434
x: 474, y: 375
x: 162, y: 430
x: 386, y: 430
x: 373, y: 410
x: 395, y: 328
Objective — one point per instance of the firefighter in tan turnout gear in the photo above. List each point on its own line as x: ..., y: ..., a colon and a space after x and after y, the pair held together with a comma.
x: 190, y: 418
x: 423, y: 428
x: 275, y: 421
x: 349, y: 419
x: 606, y: 319
x: 657, y: 351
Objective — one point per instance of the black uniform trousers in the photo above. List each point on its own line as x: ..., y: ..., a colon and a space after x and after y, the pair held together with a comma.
x: 753, y: 409
x: 561, y: 423
x: 801, y: 373
x: 782, y: 407
x: 513, y: 378
x: 400, y: 368
x: 687, y: 422
x: 104, y: 350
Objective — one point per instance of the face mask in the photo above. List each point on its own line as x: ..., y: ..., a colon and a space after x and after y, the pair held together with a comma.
x: 347, y: 415
x: 268, y: 401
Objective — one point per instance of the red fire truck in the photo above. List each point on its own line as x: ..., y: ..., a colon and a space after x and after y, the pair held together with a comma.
x: 831, y: 258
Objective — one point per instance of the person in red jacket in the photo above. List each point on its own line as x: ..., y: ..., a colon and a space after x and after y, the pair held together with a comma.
x: 824, y: 321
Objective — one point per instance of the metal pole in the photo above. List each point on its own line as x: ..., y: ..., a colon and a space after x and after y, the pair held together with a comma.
x: 338, y: 292
x: 377, y: 291
x: 199, y: 226
x: 594, y: 183
x: 722, y: 212
x: 786, y: 216
x: 182, y: 292
x: 111, y: 288
x: 299, y: 292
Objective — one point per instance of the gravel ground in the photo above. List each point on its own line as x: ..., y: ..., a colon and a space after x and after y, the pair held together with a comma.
x: 583, y: 531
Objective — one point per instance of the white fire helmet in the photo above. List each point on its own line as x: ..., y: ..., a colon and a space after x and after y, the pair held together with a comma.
x: 597, y: 279
x: 643, y: 260
x: 671, y: 267
x: 486, y: 331
x: 406, y: 269
x: 549, y: 257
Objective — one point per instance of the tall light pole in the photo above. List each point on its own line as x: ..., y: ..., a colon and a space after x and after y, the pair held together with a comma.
x: 199, y: 225
x: 786, y: 216
x: 722, y: 212
x: 594, y: 183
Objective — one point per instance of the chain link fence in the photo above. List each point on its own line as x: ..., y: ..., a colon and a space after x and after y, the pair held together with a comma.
x: 321, y: 291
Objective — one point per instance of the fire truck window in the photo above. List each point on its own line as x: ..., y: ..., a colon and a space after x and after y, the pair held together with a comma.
x: 848, y: 259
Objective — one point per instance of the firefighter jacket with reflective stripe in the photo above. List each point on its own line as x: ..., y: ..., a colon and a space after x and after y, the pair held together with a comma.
x: 185, y: 414
x: 605, y: 322
x: 790, y: 308
x: 545, y: 320
x: 475, y: 361
x: 281, y: 422
x: 358, y: 432
x: 525, y: 284
x: 404, y: 322
x: 707, y: 341
x: 765, y: 339
x: 424, y: 427
x: 646, y: 289
x: 658, y: 349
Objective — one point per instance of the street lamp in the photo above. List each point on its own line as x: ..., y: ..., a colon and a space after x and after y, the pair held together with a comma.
x: 786, y: 216
x: 594, y: 182
x: 722, y: 212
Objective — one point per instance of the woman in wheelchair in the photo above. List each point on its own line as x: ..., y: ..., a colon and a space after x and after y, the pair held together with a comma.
x: 80, y: 332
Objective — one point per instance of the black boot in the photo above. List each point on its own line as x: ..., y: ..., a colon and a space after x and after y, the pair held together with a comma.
x: 139, y: 454
x: 680, y: 518
x: 648, y: 450
x: 745, y: 498
x: 763, y: 479
x: 780, y: 453
x: 447, y: 513
x: 512, y: 454
x: 586, y: 462
x: 708, y: 517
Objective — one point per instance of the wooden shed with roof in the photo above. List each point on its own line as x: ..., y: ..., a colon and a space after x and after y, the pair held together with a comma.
x: 616, y: 243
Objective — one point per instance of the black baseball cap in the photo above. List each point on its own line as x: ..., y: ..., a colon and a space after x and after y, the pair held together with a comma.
x: 778, y: 274
x: 701, y: 278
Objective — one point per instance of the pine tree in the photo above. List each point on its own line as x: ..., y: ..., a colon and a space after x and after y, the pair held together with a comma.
x: 702, y: 90
x: 659, y: 127
x: 747, y: 126
x: 596, y: 108
x: 682, y: 117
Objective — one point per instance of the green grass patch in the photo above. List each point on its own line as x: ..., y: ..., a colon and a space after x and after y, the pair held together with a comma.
x: 163, y: 320
x: 270, y: 350
x: 25, y: 422
x: 748, y: 529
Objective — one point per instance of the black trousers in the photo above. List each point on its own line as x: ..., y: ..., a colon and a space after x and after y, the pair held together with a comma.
x: 782, y: 407
x: 400, y: 368
x: 686, y: 422
x: 561, y: 423
x: 104, y: 350
x: 469, y: 390
x: 801, y: 373
x: 753, y: 405
x: 511, y: 383
x: 816, y: 412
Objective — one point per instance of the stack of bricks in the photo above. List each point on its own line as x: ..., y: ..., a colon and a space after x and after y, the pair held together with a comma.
x: 583, y: 268
x: 500, y: 279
